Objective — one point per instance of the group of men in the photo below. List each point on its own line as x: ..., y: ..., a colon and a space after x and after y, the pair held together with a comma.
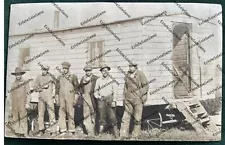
x: 98, y: 95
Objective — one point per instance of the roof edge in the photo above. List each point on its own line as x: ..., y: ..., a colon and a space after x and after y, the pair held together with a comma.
x: 38, y: 31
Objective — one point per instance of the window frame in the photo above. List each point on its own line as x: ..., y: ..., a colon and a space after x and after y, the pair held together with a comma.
x: 23, y: 57
x: 90, y: 55
x: 56, y: 18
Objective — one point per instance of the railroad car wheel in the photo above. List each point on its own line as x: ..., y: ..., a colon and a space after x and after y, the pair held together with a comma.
x: 154, y: 121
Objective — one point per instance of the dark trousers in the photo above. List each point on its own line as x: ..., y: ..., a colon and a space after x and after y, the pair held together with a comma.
x: 132, y: 108
x: 106, y: 109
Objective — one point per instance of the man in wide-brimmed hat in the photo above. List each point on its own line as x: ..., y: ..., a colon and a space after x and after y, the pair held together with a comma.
x: 45, y: 84
x: 20, y: 101
x: 135, y: 93
x: 67, y: 89
x: 87, y: 86
x: 105, y: 92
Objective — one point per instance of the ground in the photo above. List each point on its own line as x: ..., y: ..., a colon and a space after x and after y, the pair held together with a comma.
x: 212, y: 106
x: 172, y: 134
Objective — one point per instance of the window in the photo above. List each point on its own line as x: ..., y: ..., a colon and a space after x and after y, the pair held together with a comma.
x: 95, y: 52
x: 56, y: 19
x: 24, y: 56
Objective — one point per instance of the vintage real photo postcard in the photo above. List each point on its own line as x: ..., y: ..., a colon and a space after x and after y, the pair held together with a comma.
x: 114, y: 71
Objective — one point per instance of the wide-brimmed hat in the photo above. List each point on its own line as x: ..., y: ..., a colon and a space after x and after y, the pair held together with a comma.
x: 18, y: 71
x: 66, y: 65
x: 104, y: 66
x: 87, y: 67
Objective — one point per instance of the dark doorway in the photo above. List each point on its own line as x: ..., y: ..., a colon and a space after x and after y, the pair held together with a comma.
x: 181, y: 59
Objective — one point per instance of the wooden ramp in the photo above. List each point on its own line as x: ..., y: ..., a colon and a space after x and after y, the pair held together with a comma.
x: 197, y: 116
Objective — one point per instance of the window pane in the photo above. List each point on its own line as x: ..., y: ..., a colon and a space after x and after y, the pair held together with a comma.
x: 24, y: 56
x: 92, y: 46
x: 100, y: 47
x: 96, y: 49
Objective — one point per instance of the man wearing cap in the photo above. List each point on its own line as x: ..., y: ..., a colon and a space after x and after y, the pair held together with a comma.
x: 87, y: 86
x: 66, y: 97
x: 135, y: 93
x: 20, y: 101
x: 45, y: 85
x: 105, y: 92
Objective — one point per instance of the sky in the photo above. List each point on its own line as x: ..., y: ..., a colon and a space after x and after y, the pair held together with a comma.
x: 79, y: 12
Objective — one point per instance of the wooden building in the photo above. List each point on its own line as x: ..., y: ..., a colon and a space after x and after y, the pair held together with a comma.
x: 170, y: 52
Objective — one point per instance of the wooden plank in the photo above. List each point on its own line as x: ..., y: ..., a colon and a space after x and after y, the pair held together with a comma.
x: 187, y: 113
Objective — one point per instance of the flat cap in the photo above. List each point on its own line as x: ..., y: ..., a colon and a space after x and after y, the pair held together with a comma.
x: 45, y: 67
x: 133, y: 64
x: 66, y: 65
x: 87, y: 67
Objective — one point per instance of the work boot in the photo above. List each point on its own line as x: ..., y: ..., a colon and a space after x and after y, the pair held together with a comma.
x: 70, y: 133
x: 115, y: 131
x: 63, y: 133
x: 53, y: 133
x: 21, y: 135
x: 41, y: 132
x: 124, y: 134
x: 101, y: 130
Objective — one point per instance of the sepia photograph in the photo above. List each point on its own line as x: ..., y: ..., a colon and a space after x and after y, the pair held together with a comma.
x: 114, y: 71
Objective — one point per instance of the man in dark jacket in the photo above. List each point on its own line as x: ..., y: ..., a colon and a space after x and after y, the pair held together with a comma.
x: 87, y: 86
x: 66, y: 96
x: 135, y: 93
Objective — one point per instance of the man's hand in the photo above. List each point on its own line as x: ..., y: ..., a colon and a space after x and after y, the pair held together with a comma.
x: 10, y: 109
x: 113, y: 104
x: 76, y: 96
x: 45, y: 86
x: 27, y: 106
x: 87, y: 80
x: 102, y: 98
x: 38, y: 89
x: 144, y: 99
x: 99, y: 98
x: 57, y: 100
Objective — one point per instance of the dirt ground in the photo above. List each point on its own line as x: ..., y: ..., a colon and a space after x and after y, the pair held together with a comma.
x: 172, y: 134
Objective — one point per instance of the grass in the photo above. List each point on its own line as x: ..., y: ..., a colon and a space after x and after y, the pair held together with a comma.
x: 212, y: 106
x: 172, y: 134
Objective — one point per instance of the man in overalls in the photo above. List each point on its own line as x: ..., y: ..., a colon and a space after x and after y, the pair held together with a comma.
x: 45, y: 85
x: 135, y: 92
x: 66, y: 97
x: 87, y: 86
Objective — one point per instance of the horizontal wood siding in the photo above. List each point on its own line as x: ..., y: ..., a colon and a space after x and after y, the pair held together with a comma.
x: 130, y: 33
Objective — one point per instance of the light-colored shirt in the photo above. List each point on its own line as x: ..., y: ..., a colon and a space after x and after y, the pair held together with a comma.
x: 105, y: 87
x: 46, y: 84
